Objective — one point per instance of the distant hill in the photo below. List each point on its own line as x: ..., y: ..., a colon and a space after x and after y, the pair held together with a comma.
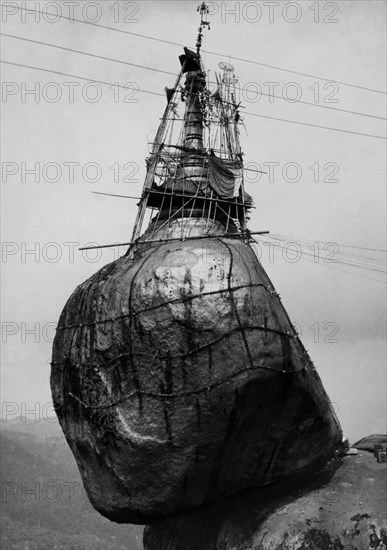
x: 44, y: 505
x: 45, y: 427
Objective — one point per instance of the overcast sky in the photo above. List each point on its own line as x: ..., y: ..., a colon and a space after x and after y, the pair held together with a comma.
x: 106, y: 139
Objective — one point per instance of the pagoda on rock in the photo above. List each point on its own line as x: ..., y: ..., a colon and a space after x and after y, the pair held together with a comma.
x: 177, y: 376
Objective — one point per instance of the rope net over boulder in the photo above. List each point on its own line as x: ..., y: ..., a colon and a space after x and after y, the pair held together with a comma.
x: 178, y: 379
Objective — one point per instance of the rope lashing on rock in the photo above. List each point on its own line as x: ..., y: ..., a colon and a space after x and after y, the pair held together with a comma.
x: 164, y: 304
x: 183, y: 394
x: 190, y: 352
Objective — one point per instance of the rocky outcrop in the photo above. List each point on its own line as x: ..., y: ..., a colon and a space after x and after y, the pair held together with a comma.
x: 344, y: 507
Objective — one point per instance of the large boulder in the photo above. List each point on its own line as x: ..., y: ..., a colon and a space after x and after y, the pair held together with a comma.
x: 178, y: 379
x: 344, y: 507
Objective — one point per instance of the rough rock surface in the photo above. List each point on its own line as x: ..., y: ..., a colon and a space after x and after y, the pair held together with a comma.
x: 178, y: 379
x: 342, y: 508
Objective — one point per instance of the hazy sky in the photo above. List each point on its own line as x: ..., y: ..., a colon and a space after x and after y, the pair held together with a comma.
x: 74, y: 133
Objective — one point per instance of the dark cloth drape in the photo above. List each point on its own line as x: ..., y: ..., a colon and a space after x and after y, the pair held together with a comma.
x: 224, y: 176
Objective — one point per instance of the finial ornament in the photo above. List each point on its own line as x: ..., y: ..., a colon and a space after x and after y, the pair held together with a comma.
x: 204, y: 11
